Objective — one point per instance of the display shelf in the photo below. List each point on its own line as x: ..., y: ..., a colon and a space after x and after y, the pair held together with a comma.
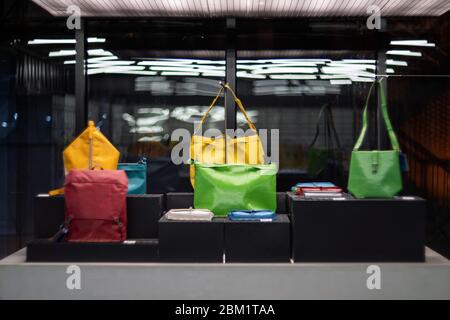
x: 345, y: 229
x: 258, y: 241
x: 191, y: 241
x: 143, y: 213
x: 24, y: 280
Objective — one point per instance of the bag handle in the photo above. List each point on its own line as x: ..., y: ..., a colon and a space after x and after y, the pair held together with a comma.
x: 236, y: 99
x: 241, y: 107
x: 387, y: 121
x: 330, y: 125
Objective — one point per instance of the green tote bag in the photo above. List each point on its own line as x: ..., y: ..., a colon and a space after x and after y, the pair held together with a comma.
x: 376, y: 173
x: 222, y: 188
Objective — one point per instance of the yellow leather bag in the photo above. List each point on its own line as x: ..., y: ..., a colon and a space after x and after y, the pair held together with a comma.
x: 90, y: 150
x: 247, y: 149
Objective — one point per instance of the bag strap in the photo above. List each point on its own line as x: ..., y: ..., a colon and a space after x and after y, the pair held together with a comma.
x: 236, y: 99
x: 56, y: 192
x: 329, y: 125
x: 209, y: 109
x: 241, y: 107
x: 333, y: 128
x: 385, y: 114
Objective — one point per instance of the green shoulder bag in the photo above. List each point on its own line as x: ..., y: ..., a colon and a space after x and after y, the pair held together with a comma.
x: 375, y: 173
x: 222, y: 188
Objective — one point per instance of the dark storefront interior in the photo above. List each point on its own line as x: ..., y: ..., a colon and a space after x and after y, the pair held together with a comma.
x: 148, y: 76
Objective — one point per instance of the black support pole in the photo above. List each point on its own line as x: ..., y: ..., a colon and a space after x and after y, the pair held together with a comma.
x: 230, y: 77
x: 80, y: 78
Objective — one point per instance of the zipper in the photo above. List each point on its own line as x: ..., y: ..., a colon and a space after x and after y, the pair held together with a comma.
x: 90, y: 151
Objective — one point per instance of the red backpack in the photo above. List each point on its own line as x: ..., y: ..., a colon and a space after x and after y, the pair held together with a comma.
x: 96, y: 208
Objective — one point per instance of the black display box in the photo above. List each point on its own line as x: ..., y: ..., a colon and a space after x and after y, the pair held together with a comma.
x: 358, y: 230
x: 191, y: 241
x: 143, y: 213
x: 182, y: 200
x: 43, y: 250
x: 258, y: 241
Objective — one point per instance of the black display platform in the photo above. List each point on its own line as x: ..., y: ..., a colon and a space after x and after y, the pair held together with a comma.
x: 258, y: 241
x: 191, y: 241
x: 181, y: 200
x: 48, y: 251
x: 358, y: 230
x: 143, y: 212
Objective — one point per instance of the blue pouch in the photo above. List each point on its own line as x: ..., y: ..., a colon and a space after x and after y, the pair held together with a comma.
x: 137, y: 176
x: 251, y: 215
x: 315, y: 185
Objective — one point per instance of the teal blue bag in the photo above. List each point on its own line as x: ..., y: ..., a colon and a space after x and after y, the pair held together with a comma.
x: 137, y: 176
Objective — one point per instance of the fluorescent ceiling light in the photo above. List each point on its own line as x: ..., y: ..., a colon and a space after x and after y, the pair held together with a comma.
x: 163, y: 111
x: 339, y: 82
x: 346, y: 71
x: 94, y: 60
x: 169, y: 73
x: 62, y: 53
x: 178, y: 64
x: 316, y: 61
x: 106, y: 58
x: 243, y: 74
x: 390, y: 70
x: 396, y: 63
x: 286, y: 70
x: 333, y: 76
x: 359, y: 61
x: 417, y: 43
x: 92, y: 52
x: 147, y: 129
x: 102, y: 64
x: 163, y: 63
x: 404, y: 53
x: 128, y: 68
x: 351, y: 66
x: 198, y: 61
x: 361, y: 79
x: 292, y: 76
x: 116, y: 69
x: 278, y: 65
x: 99, y: 52
x: 65, y: 41
x: 214, y: 74
x: 96, y: 40
x: 131, y: 72
x: 51, y: 41
x: 186, y: 69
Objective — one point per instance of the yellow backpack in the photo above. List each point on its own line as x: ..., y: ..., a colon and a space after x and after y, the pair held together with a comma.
x: 90, y: 150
